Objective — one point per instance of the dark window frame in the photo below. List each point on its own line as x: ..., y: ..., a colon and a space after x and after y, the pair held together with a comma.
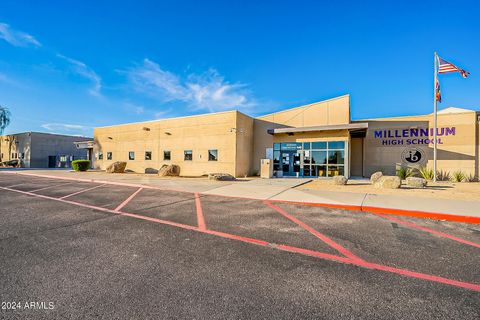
x: 165, y: 157
x: 213, y: 158
x: 131, y: 155
x: 187, y: 153
x: 148, y: 155
x: 109, y: 155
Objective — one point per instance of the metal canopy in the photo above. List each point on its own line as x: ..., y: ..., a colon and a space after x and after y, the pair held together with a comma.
x: 84, y: 144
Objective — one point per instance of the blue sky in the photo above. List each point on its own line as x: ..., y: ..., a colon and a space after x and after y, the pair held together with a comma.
x: 69, y: 66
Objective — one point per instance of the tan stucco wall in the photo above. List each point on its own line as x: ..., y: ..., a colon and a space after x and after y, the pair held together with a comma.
x: 244, y: 146
x: 456, y: 152
x: 197, y: 133
x: 329, y: 112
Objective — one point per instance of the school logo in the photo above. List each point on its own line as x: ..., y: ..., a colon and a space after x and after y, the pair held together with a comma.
x: 413, y: 156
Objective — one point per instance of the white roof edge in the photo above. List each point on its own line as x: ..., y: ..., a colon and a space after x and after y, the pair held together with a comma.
x: 174, y: 118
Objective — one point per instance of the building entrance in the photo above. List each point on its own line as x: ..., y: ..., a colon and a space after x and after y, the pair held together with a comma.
x: 309, y: 159
x: 291, y: 163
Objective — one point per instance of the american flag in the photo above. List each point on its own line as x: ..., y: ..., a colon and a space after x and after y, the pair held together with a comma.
x: 446, y: 67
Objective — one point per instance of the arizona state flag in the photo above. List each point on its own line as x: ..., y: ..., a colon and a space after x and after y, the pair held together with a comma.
x: 438, y: 95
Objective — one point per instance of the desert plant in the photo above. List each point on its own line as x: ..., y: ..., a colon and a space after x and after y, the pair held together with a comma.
x: 80, y: 165
x: 443, y: 175
x: 426, y: 173
x: 404, y: 172
x: 458, y: 176
x: 470, y: 178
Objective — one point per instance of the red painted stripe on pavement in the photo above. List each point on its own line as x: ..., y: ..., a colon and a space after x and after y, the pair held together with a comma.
x: 121, y: 184
x: 324, y: 256
x: 418, y: 275
x: 438, y: 233
x: 200, y: 217
x: 312, y: 253
x: 375, y: 266
x: 81, y: 191
x: 124, y: 203
x: 319, y: 235
x: 408, y: 213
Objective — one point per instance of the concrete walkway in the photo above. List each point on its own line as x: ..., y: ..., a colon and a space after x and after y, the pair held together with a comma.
x: 278, y: 190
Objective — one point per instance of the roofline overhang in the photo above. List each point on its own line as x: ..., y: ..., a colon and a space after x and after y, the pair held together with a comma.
x: 350, y: 127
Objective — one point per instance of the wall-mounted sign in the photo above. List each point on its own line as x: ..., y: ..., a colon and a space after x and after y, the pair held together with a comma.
x: 412, y: 136
x: 291, y: 146
x: 413, y: 156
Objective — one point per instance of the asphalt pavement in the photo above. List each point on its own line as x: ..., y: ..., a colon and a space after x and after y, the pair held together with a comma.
x: 79, y: 250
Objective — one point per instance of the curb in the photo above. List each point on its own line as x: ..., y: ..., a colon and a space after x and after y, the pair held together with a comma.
x: 368, y: 209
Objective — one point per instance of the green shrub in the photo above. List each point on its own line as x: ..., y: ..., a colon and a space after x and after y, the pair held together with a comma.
x: 458, y: 176
x: 426, y: 173
x: 403, y: 172
x: 81, y: 165
x: 443, y: 175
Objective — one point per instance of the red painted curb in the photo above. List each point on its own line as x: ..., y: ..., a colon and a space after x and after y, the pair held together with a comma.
x: 392, y: 211
x: 423, y: 214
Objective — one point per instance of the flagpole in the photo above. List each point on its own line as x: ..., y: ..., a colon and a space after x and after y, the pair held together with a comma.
x: 435, y: 61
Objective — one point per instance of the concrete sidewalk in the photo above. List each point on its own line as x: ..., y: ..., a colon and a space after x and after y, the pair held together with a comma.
x: 282, y: 190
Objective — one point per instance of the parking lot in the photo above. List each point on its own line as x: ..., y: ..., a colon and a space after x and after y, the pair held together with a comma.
x: 117, y: 251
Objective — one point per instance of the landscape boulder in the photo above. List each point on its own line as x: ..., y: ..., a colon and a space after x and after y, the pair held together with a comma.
x: 221, y: 176
x: 376, y: 176
x: 169, y: 170
x: 388, y: 182
x: 416, y: 182
x: 151, y: 171
x: 339, y: 180
x: 117, y: 167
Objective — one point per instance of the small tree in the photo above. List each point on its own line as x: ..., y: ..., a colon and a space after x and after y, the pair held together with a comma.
x: 4, y: 122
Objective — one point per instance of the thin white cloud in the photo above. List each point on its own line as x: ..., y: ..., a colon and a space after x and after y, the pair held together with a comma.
x: 65, y: 128
x: 162, y: 114
x: 17, y: 38
x: 207, y: 91
x: 85, y: 71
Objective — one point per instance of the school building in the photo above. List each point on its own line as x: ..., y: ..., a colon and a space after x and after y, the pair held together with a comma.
x: 315, y: 140
x: 41, y: 150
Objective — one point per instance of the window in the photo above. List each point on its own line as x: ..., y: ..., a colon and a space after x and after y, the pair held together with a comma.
x: 63, y: 158
x: 212, y: 155
x: 336, y: 145
x: 109, y: 156
x: 22, y: 155
x: 131, y: 155
x: 100, y: 156
x: 148, y: 155
x: 167, y: 155
x: 188, y: 155
x: 319, y: 145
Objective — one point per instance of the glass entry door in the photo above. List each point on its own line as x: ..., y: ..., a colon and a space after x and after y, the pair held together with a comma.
x: 290, y: 163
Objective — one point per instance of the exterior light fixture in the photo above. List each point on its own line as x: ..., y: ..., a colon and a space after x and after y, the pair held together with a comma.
x: 146, y: 129
x: 110, y: 138
x: 167, y: 133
